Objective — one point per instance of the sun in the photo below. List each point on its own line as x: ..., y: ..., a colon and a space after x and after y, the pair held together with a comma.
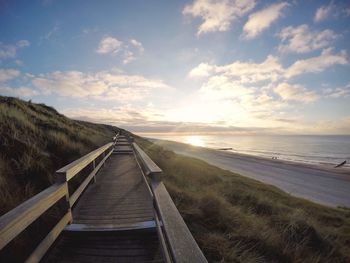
x: 195, y: 140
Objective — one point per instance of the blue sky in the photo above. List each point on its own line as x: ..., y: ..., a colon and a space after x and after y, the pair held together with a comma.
x: 183, y: 66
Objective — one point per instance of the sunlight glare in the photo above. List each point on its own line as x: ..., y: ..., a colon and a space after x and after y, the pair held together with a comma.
x: 195, y: 140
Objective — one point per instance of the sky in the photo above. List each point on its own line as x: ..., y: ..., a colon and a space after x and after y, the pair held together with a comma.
x: 196, y: 66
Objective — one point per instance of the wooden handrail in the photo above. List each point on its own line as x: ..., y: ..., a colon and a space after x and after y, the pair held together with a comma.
x: 69, y: 171
x: 180, y: 241
x: 16, y: 220
x: 150, y: 168
x: 85, y: 183
x: 19, y: 218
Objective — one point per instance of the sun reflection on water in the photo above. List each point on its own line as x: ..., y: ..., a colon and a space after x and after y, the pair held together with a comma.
x: 195, y: 140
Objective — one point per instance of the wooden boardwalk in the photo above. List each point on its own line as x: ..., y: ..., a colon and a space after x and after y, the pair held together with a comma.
x: 115, y: 215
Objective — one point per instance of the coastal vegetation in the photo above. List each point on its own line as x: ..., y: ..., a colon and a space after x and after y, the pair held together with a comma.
x: 233, y: 218
x: 35, y: 141
x: 238, y: 219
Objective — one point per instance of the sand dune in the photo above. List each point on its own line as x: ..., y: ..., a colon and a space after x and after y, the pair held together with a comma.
x: 320, y: 184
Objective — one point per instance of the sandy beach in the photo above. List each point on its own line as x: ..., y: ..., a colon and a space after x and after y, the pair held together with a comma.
x: 318, y: 183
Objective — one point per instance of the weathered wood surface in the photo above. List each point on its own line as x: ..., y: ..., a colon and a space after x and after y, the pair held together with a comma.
x: 182, y: 244
x: 123, y: 148
x: 100, y: 246
x: 44, y: 245
x: 119, y: 196
x: 87, y: 180
x: 70, y: 170
x: 149, y: 166
x: 113, y: 221
x: 15, y: 221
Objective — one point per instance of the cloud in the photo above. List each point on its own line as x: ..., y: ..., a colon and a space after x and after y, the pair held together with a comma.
x: 217, y: 15
x: 23, y: 43
x: 137, y: 44
x: 202, y: 70
x: 339, y: 9
x: 109, y: 45
x: 259, y: 92
x: 9, y: 51
x: 50, y: 35
x: 103, y: 85
x: 317, y: 64
x: 8, y: 74
x: 323, y: 12
x: 18, y: 92
x: 270, y: 69
x: 244, y: 72
x: 261, y: 20
x: 295, y: 93
x: 339, y: 92
x: 127, y: 50
x: 149, y: 120
x: 301, y: 39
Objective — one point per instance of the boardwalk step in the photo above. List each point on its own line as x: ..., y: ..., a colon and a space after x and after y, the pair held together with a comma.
x: 110, y: 227
x: 105, y: 246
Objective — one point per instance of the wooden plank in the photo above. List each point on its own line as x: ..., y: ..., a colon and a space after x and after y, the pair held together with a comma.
x: 135, y: 246
x: 111, y: 227
x: 44, y: 245
x: 149, y: 166
x: 16, y: 220
x: 182, y: 244
x: 119, y: 196
x: 87, y: 180
x: 70, y: 170
x: 161, y: 237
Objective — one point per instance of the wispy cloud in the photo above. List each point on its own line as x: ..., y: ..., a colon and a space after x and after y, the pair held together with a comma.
x: 317, y: 64
x: 10, y: 50
x: 148, y: 120
x: 22, y: 92
x: 8, y: 74
x: 334, y: 9
x: 263, y: 19
x: 244, y: 72
x: 109, y: 45
x: 51, y: 34
x: 295, y: 93
x: 302, y: 39
x: 128, y: 50
x: 338, y: 92
x: 217, y: 15
x: 103, y: 85
x: 271, y: 69
x: 323, y: 12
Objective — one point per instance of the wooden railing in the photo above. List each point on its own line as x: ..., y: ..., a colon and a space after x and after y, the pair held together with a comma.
x: 18, y: 219
x: 179, y: 240
x: 176, y: 240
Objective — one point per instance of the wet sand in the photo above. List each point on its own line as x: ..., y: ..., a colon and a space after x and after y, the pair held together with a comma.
x: 318, y: 183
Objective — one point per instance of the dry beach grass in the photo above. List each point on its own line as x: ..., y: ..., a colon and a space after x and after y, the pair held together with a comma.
x: 237, y: 219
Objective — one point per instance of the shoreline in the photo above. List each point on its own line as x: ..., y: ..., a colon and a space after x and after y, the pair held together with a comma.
x: 329, y: 167
x: 317, y: 183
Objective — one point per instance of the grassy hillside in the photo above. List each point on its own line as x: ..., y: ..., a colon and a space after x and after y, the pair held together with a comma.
x: 237, y: 219
x: 35, y: 141
x: 233, y: 218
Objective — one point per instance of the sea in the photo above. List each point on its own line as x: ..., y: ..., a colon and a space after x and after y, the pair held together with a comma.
x: 327, y: 150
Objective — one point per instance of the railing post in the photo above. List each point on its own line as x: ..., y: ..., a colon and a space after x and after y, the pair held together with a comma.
x: 62, y: 178
x: 93, y: 168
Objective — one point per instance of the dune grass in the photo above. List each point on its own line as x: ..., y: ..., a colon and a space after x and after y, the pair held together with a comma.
x: 237, y: 219
x: 35, y: 141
